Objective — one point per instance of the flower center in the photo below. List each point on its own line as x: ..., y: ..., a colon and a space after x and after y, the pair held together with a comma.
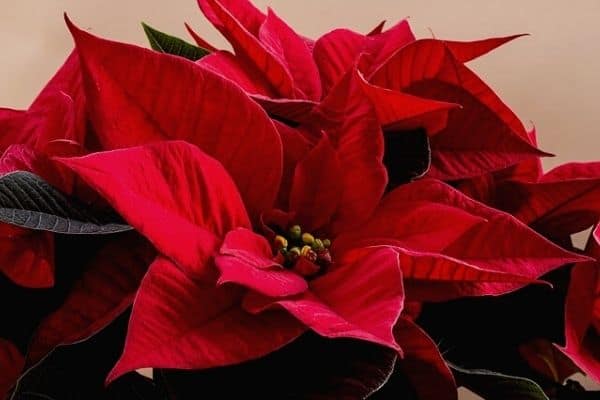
x: 302, y: 251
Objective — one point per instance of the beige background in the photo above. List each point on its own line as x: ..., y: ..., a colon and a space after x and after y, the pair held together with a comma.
x: 549, y: 78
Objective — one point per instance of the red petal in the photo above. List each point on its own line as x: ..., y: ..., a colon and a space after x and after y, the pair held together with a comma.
x: 248, y: 16
x: 295, y: 147
x: 522, y: 252
x: 236, y: 69
x: 335, y: 53
x: 584, y: 355
x: 12, y: 128
x: 581, y: 318
x: 131, y: 106
x: 105, y: 290
x: 566, y: 200
x: 171, y: 192
x: 432, y: 277
x: 20, y: 157
x: 529, y: 170
x: 381, y: 47
x: 61, y: 105
x: 423, y: 364
x: 467, y: 51
x: 11, y: 365
x: 317, y: 188
x: 483, y: 136
x: 27, y: 256
x: 435, y: 277
x: 354, y: 130
x: 58, y: 112
x: 489, y: 188
x: 180, y: 323
x: 246, y: 44
x: 244, y: 12
x: 56, y: 121
x: 360, y: 300
x: 292, y: 52
x: 199, y: 41
x: 247, y: 259
x: 378, y: 29
x: 294, y: 110
x: 417, y: 225
x: 401, y: 111
x: 338, y: 51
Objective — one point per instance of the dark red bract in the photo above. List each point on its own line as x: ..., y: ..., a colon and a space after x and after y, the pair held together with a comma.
x: 262, y: 207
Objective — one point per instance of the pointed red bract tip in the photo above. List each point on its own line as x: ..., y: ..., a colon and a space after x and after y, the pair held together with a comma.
x: 378, y: 29
x: 198, y: 39
x: 468, y: 51
x: 69, y: 23
x: 77, y: 33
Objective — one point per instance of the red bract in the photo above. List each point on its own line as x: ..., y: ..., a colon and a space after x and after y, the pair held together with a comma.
x: 170, y: 299
x: 561, y: 202
x: 52, y: 125
x: 411, y: 84
x: 104, y: 291
x: 220, y: 293
x: 55, y: 125
x: 207, y: 110
x: 582, y: 313
x: 266, y: 44
x: 557, y: 204
x: 564, y: 201
x: 261, y: 190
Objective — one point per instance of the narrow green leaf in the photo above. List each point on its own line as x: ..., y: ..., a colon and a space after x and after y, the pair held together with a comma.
x: 168, y: 44
x: 495, y: 386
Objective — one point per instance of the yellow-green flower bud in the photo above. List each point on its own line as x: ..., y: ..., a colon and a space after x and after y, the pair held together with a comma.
x: 280, y: 242
x: 318, y: 245
x: 295, y: 232
x: 308, y: 239
x: 294, y: 253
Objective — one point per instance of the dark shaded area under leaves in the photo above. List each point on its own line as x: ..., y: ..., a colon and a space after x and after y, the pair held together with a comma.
x: 22, y: 309
x: 485, y: 333
x: 407, y: 155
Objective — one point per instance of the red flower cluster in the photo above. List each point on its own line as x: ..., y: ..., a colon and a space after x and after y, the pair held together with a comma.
x: 280, y: 189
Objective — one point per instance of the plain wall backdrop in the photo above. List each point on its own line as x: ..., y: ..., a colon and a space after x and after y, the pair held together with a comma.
x: 549, y: 78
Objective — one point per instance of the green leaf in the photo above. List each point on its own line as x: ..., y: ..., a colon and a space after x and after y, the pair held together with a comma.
x: 165, y: 43
x: 26, y: 200
x: 495, y: 386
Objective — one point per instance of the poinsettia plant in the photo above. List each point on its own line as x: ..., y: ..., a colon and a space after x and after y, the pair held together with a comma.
x: 354, y: 216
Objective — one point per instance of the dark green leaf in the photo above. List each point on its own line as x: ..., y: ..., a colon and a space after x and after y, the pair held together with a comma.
x: 165, y: 43
x: 26, y: 200
x: 311, y: 367
x: 495, y: 386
